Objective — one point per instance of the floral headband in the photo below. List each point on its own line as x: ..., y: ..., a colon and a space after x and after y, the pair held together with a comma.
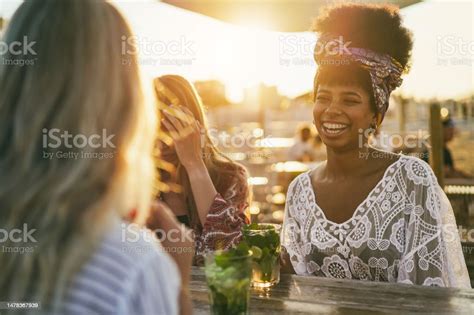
x: 385, y: 72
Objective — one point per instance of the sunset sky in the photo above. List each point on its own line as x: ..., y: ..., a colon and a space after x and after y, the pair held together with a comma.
x: 174, y: 40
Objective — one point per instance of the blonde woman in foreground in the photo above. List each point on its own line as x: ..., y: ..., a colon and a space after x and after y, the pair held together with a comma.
x: 79, y: 258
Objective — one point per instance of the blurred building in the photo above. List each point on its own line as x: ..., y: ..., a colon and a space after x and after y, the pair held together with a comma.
x: 212, y: 93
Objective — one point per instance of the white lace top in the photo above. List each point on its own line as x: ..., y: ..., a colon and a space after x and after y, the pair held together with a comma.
x: 404, y: 231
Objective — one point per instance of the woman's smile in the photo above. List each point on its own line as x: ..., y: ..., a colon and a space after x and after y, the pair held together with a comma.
x: 333, y: 129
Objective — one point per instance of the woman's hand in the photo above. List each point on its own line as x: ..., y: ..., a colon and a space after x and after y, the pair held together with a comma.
x: 176, y: 202
x: 178, y: 242
x: 168, y: 154
x: 186, y: 133
x: 285, y: 263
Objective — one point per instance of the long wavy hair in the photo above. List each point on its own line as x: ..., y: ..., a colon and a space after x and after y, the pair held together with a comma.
x: 176, y: 90
x: 82, y: 82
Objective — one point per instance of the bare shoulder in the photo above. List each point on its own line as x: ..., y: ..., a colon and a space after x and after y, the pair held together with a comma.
x: 317, y: 172
x: 305, y: 179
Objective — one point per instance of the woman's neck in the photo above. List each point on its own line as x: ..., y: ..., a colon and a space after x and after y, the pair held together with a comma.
x: 347, y: 164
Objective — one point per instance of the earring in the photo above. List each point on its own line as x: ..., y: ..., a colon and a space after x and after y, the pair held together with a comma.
x: 372, y: 128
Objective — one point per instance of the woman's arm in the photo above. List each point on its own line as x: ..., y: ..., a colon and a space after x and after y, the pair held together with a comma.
x: 175, y: 202
x: 285, y: 263
x: 162, y: 218
x: 203, y: 189
x: 186, y: 134
x: 226, y: 216
x: 432, y: 249
x: 222, y: 217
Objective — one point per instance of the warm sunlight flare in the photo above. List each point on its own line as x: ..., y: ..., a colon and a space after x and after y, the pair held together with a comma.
x: 244, y: 55
x: 233, y: 157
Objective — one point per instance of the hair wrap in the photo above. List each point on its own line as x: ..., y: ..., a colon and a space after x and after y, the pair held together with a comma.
x: 385, y: 72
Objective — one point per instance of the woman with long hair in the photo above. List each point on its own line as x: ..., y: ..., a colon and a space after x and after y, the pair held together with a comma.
x: 213, y: 194
x: 76, y: 152
x: 367, y: 214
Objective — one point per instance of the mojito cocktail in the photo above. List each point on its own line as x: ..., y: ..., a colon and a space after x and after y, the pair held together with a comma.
x: 264, y: 242
x: 228, y: 276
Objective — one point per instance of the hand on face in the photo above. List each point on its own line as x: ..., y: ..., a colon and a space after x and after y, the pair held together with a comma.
x: 185, y: 131
x: 168, y: 154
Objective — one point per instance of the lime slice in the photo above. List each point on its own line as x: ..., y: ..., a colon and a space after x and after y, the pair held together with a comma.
x: 256, y: 252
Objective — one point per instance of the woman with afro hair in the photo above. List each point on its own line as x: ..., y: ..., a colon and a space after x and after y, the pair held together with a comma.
x: 364, y: 213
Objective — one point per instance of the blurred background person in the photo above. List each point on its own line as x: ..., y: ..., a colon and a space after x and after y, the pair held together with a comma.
x: 213, y: 196
x: 319, y: 149
x: 449, y: 132
x: 83, y: 260
x: 304, y: 148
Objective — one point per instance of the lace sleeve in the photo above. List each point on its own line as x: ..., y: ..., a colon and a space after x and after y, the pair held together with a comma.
x: 455, y: 264
x: 433, y: 254
x: 293, y: 239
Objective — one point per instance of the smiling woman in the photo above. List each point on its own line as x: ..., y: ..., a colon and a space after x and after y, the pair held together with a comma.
x: 390, y: 221
x: 333, y: 127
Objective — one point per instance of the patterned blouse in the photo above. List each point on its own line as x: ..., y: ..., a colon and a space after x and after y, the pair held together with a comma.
x: 226, y: 216
x: 404, y: 231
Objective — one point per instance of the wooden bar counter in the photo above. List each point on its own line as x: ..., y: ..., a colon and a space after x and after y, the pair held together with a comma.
x: 315, y: 295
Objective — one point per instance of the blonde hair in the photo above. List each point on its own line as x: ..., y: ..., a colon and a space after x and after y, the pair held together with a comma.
x: 82, y: 82
x: 176, y: 90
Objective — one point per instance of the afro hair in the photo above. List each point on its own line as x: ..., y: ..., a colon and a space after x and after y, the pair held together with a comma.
x: 370, y: 26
